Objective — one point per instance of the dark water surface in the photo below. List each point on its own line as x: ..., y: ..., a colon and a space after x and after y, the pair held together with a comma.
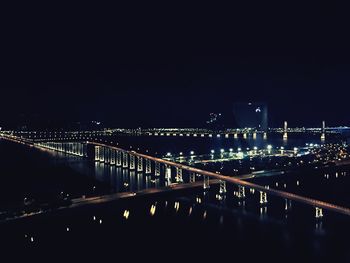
x: 167, y: 227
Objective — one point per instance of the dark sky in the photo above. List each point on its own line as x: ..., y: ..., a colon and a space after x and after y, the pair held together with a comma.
x: 173, y: 65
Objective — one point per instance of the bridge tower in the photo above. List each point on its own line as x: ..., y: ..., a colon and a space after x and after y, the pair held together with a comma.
x: 323, y: 132
x: 285, y: 131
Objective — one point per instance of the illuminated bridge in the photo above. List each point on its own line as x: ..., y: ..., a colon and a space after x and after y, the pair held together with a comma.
x: 128, y: 159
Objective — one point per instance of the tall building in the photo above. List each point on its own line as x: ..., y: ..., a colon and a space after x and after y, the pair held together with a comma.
x: 251, y: 115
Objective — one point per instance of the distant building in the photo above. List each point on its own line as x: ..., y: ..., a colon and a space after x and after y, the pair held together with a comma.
x: 251, y: 115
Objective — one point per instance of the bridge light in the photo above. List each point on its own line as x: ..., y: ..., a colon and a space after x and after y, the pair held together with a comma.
x: 222, y: 150
x: 239, y: 149
x: 269, y: 147
x: 212, y: 151
x: 231, y: 150
x: 192, y: 152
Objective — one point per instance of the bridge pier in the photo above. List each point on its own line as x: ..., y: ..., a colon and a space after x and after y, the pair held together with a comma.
x: 168, y: 173
x: 139, y: 164
x: 112, y: 157
x: 222, y: 190
x: 148, y: 166
x: 263, y: 198
x: 192, y: 177
x: 241, y: 192
x: 125, y: 160
x: 206, y: 184
x: 318, y: 212
x: 107, y: 157
x: 157, y: 169
x: 97, y: 153
x: 179, y: 175
x: 287, y: 205
x: 119, y: 158
x: 102, y: 154
x: 132, y: 162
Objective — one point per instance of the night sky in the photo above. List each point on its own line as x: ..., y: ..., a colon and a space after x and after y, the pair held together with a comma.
x: 173, y: 65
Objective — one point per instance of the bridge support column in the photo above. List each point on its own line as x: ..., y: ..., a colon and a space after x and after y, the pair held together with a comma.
x: 148, y: 166
x: 179, y: 175
x: 318, y: 212
x: 241, y: 192
x: 206, y: 184
x: 263, y: 198
x: 119, y: 158
x: 192, y: 177
x: 132, y: 162
x: 287, y: 205
x: 157, y: 169
x: 125, y: 160
x: 102, y: 154
x: 139, y: 164
x: 265, y: 136
x: 97, y: 153
x: 112, y: 161
x: 168, y: 173
x: 222, y: 190
x: 107, y: 155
